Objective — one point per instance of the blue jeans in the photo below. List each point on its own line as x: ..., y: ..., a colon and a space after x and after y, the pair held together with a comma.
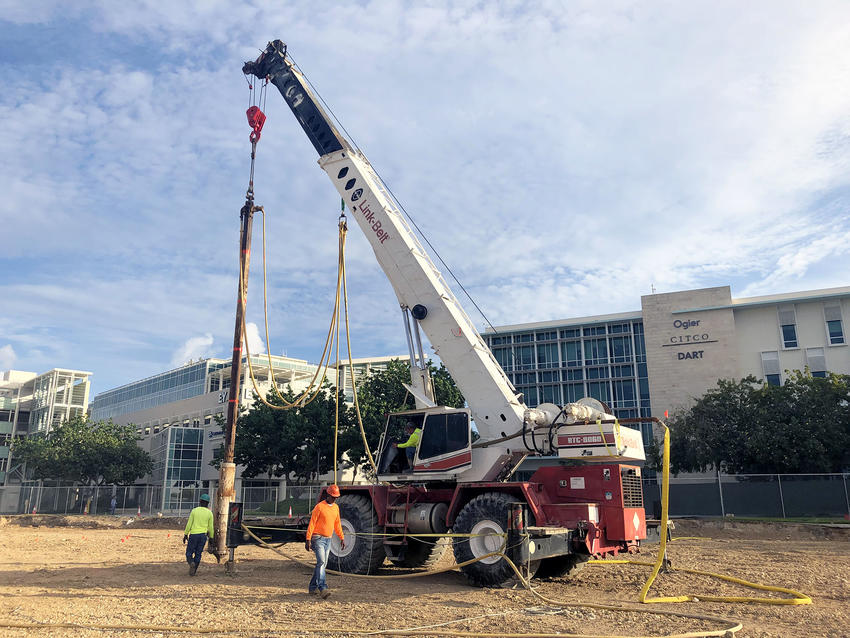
x: 195, y: 547
x: 321, y: 547
x: 411, y: 453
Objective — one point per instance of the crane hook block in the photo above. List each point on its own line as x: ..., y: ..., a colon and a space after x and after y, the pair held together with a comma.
x: 256, y: 119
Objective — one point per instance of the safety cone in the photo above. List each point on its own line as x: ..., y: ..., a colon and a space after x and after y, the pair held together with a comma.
x: 33, y: 510
x: 290, y: 511
x: 138, y: 511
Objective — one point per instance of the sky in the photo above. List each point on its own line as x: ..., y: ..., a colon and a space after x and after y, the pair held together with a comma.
x: 564, y: 158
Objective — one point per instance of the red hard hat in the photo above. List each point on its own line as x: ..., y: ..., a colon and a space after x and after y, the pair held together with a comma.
x: 333, y: 490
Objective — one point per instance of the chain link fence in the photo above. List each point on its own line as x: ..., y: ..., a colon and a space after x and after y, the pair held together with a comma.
x: 148, y: 500
x: 753, y: 496
x: 741, y: 495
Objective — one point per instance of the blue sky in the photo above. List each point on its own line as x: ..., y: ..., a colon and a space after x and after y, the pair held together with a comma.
x: 563, y: 157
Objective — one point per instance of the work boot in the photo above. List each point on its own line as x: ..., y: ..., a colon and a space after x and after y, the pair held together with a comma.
x: 313, y: 592
x: 193, y: 567
x: 325, y: 593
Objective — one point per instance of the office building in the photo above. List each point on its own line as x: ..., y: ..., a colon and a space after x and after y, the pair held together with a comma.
x: 667, y: 354
x: 33, y: 404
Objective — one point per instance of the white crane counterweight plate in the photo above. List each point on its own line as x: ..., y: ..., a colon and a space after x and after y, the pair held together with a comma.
x: 601, y: 442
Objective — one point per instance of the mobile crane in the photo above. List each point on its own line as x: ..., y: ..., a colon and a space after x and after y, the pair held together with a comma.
x: 569, y: 512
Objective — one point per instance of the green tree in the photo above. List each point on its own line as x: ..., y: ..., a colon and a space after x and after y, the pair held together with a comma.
x: 749, y: 427
x: 87, y: 452
x: 296, y: 443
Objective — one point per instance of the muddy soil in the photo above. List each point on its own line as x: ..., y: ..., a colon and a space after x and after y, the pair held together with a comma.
x: 113, y: 574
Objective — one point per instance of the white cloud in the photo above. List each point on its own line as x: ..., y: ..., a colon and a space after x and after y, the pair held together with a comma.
x: 7, y: 357
x: 255, y: 341
x: 193, y: 348
x: 562, y: 158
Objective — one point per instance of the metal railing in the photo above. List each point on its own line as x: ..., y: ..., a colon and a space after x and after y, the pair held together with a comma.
x: 753, y: 496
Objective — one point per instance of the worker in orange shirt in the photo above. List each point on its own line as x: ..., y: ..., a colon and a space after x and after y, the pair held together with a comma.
x: 324, y: 521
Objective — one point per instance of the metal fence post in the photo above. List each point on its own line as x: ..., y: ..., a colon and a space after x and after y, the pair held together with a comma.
x: 720, y: 490
x: 781, y: 497
x: 846, y: 499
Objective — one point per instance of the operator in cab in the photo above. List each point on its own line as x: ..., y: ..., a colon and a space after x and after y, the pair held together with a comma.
x: 413, y: 435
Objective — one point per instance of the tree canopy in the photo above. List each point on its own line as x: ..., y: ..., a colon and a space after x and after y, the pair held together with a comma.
x: 295, y: 443
x: 749, y: 427
x: 87, y: 452
x: 298, y: 443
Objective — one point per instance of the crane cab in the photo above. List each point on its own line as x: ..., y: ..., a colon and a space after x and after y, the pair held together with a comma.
x: 444, y: 448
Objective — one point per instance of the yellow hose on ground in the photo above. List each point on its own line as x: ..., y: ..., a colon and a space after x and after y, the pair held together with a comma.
x: 799, y: 599
x: 727, y: 631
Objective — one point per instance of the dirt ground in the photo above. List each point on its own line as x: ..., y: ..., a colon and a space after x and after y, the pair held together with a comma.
x: 135, y: 576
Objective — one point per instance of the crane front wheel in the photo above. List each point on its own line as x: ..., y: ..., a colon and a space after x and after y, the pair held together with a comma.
x: 364, y: 546
x: 485, y: 518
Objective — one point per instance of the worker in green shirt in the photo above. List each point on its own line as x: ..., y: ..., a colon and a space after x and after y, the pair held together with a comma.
x: 198, y: 528
x: 413, y: 433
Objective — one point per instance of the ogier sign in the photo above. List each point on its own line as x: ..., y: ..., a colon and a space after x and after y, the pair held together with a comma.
x: 689, y: 336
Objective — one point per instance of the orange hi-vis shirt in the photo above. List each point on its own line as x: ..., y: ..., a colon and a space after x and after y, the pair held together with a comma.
x: 324, y: 521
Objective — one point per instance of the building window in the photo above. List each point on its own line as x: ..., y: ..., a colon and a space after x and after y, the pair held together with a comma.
x: 788, y: 326
x: 524, y: 338
x: 834, y: 325
x: 624, y: 394
x: 621, y: 349
x: 574, y: 374
x: 816, y: 361
x: 504, y: 357
x: 572, y: 354
x: 547, y: 336
x: 572, y: 333
x: 547, y: 355
x: 550, y: 394
x: 496, y: 341
x: 770, y: 366
x: 599, y: 390
x: 525, y: 357
x: 573, y: 392
x: 595, y: 352
x: 594, y: 330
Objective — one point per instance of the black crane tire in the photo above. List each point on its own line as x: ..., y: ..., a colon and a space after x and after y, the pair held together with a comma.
x: 486, y: 513
x: 567, y: 565
x: 424, y: 554
x: 364, y: 549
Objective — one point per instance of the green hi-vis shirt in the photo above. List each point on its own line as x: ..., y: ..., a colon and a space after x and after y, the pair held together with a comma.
x: 200, y: 522
x: 413, y: 441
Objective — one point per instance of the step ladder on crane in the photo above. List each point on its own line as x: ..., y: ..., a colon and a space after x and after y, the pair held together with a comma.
x: 395, y: 542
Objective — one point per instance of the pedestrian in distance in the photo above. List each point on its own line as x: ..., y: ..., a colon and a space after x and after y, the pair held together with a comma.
x: 112, y: 505
x: 324, y: 521
x: 199, y: 527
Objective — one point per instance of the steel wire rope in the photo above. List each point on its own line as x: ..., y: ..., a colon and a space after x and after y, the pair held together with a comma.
x: 299, y: 401
x: 351, y: 361
x: 326, y: 352
x: 341, y: 277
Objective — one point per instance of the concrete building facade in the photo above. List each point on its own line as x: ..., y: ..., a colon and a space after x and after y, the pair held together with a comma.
x: 34, y: 404
x: 667, y: 354
x: 179, y: 414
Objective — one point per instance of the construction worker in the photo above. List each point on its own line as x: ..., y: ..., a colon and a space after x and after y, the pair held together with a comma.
x: 199, y: 527
x: 324, y: 521
x: 413, y: 433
